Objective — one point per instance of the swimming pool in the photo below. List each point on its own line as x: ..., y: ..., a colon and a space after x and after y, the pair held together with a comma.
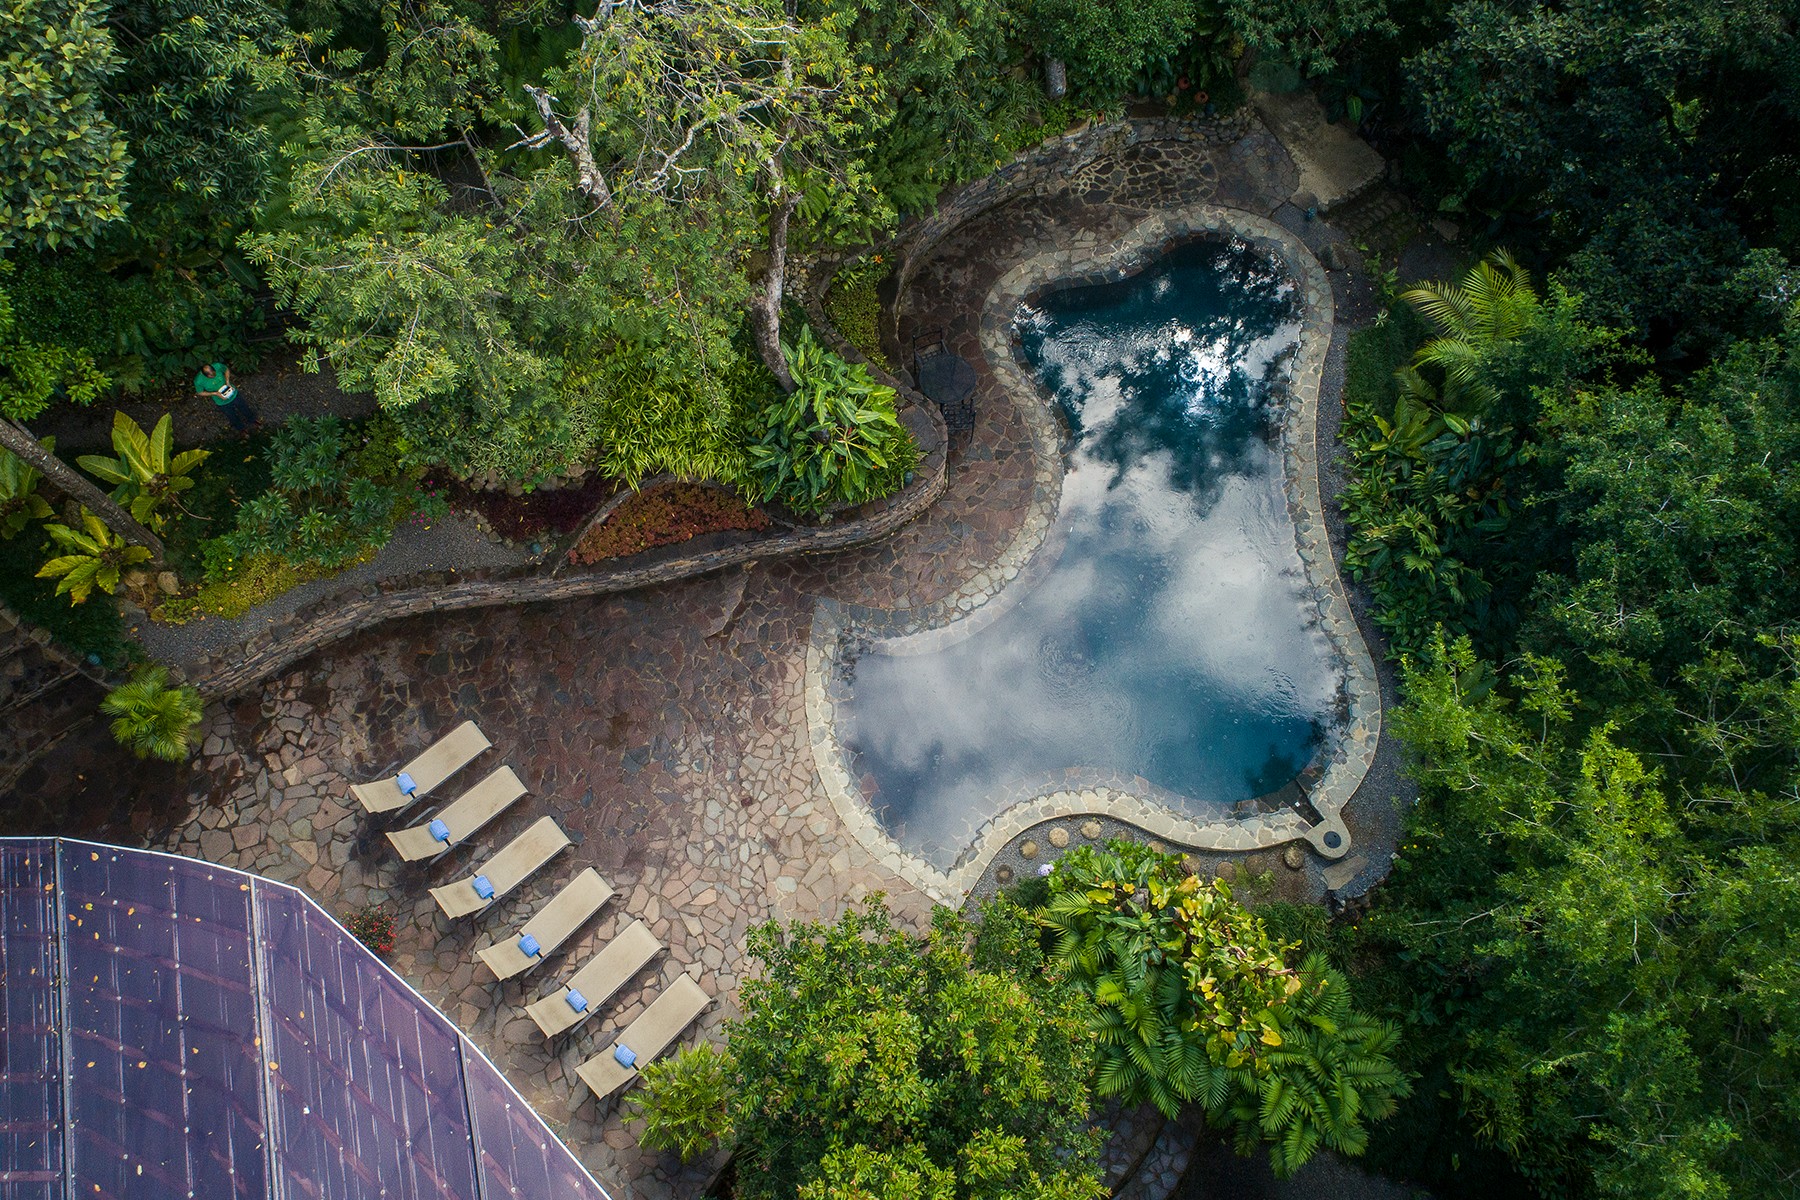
x: 1167, y: 629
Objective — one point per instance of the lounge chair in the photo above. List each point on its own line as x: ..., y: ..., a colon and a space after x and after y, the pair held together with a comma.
x: 442, y: 759
x: 503, y: 872
x: 549, y: 927
x: 645, y: 1038
x: 594, y: 984
x: 462, y: 820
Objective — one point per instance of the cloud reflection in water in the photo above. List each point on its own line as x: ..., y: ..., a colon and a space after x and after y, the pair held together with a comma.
x: 1172, y: 639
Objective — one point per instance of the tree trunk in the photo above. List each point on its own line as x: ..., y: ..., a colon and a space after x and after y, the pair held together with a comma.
x: 765, y: 307
x: 588, y: 176
x: 63, y: 478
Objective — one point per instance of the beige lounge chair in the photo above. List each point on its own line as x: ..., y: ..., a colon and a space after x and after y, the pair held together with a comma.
x: 550, y: 926
x: 505, y: 871
x: 647, y: 1037
x: 442, y: 759
x: 604, y: 974
x: 463, y: 819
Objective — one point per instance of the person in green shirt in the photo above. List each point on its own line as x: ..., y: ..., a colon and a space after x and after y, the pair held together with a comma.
x: 214, y: 382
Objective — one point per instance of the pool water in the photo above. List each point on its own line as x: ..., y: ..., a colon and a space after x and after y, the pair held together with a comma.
x: 1174, y: 637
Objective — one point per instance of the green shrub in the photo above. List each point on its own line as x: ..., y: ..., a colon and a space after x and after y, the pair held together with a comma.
x: 141, y: 328
x: 1374, y: 354
x: 321, y: 509
x: 684, y: 1101
x: 836, y: 439
x: 151, y: 718
x: 854, y: 306
x: 237, y: 472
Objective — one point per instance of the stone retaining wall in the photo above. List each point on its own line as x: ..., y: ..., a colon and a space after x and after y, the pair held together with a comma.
x: 1058, y: 159
x: 340, y: 615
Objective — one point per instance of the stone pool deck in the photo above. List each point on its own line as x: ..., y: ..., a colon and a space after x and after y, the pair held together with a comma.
x: 667, y: 729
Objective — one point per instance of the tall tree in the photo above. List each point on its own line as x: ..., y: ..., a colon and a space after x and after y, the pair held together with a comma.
x: 1606, y: 990
x: 1631, y: 137
x: 61, y: 160
x: 948, y: 94
x: 712, y: 106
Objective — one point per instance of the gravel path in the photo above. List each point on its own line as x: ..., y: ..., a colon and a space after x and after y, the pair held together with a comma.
x: 1217, y: 1172
x: 454, y: 544
x: 277, y: 391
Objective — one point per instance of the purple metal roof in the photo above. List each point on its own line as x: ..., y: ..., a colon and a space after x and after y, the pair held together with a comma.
x: 172, y: 1030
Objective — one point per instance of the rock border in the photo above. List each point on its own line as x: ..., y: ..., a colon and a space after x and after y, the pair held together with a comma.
x: 1136, y: 801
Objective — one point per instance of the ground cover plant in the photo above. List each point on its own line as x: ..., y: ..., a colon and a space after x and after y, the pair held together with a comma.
x: 537, y: 515
x: 665, y: 516
x: 854, y: 308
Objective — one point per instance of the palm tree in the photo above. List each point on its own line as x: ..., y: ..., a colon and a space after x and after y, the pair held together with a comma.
x: 152, y: 719
x: 1494, y: 304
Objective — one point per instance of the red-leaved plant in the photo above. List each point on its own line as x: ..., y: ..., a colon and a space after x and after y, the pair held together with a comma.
x: 373, y: 926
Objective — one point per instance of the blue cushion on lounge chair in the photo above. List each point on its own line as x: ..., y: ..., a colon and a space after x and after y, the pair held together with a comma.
x: 440, y: 831
x: 576, y: 1000
x: 623, y: 1055
x: 484, y: 887
x: 528, y: 946
x: 407, y: 784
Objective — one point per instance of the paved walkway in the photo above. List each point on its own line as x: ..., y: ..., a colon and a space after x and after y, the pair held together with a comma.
x: 666, y: 730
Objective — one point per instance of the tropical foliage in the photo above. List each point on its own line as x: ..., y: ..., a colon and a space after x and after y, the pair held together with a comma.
x: 61, y: 161
x: 20, y: 501
x: 322, y: 508
x: 685, y: 1101
x: 1590, y: 910
x: 870, y: 1061
x: 835, y: 439
x: 1446, y: 453
x: 1195, y: 1002
x: 148, y: 474
x: 96, y: 558
x: 152, y: 718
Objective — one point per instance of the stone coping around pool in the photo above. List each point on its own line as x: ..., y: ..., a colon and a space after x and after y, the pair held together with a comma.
x: 839, y: 627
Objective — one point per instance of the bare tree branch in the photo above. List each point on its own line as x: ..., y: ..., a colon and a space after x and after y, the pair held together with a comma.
x: 587, y: 173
